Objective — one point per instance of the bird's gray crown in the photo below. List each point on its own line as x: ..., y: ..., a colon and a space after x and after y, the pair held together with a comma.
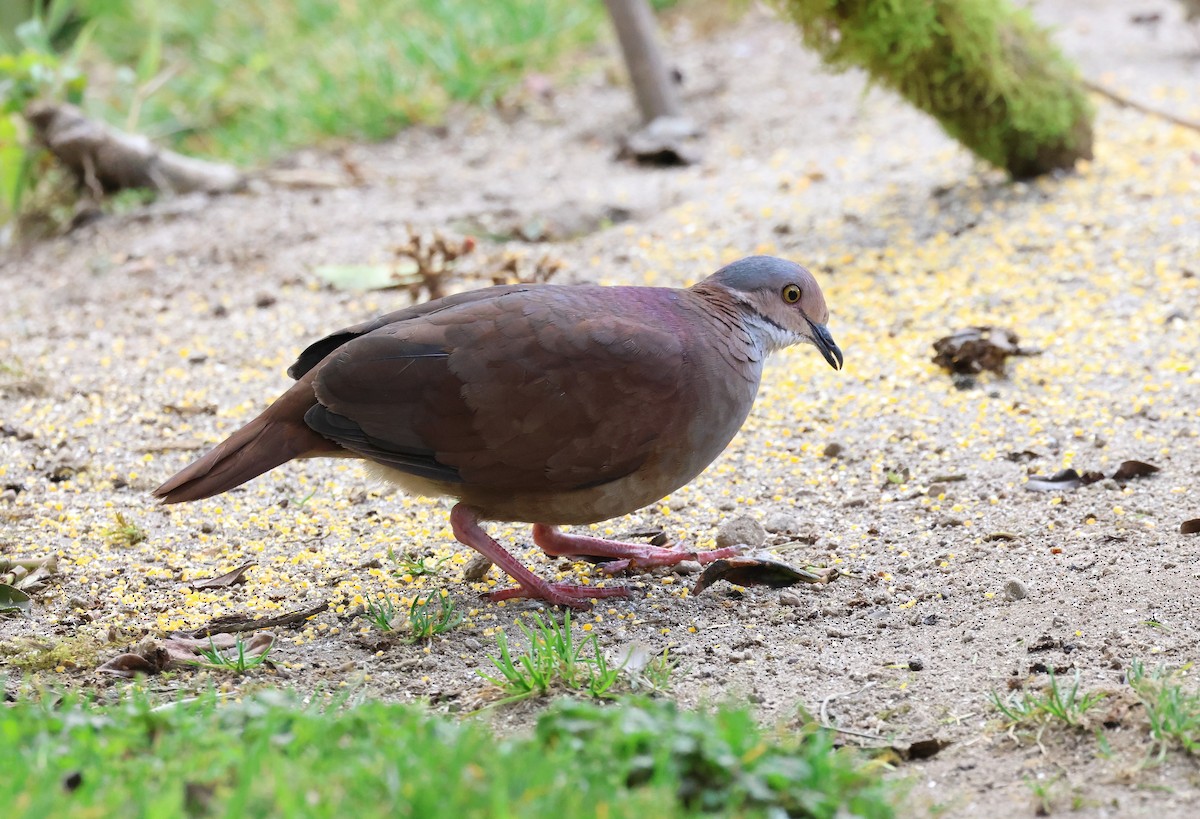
x: 758, y: 273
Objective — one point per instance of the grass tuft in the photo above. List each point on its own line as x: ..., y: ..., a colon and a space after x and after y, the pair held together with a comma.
x: 427, y: 616
x: 1055, y: 703
x: 554, y: 660
x: 1174, y: 712
x: 416, y: 566
x: 245, y: 657
x: 658, y: 671
x: 431, y: 615
x: 124, y: 532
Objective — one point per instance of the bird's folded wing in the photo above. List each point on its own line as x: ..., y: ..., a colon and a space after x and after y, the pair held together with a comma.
x: 316, y: 352
x: 512, y: 393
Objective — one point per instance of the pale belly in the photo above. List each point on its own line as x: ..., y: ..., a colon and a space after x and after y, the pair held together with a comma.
x: 651, y: 483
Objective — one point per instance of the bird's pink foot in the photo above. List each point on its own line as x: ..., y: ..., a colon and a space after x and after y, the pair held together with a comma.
x: 465, y: 522
x: 621, y: 556
x: 558, y: 594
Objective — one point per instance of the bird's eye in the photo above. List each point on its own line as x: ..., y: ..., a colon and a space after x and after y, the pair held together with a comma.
x: 791, y: 293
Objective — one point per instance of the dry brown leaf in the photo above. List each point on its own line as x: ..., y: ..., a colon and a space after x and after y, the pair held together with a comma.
x: 130, y: 664
x: 972, y: 350
x: 760, y: 571
x: 1066, y: 479
x: 226, y: 580
x: 1128, y: 470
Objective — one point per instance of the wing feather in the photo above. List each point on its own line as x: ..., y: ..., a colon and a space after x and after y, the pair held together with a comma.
x: 545, y: 389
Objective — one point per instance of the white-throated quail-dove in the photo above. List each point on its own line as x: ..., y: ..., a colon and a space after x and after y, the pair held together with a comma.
x: 545, y: 404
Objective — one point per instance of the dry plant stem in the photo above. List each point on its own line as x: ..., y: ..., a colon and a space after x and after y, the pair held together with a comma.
x: 1126, y: 102
x: 223, y: 625
x: 49, y: 563
x: 28, y: 573
x: 106, y: 159
x: 823, y: 711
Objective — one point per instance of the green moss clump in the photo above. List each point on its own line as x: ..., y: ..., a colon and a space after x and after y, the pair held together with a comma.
x: 986, y: 71
x: 34, y: 655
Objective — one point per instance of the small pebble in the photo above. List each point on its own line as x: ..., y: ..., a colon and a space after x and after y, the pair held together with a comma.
x: 916, y: 664
x: 834, y: 449
x: 1015, y: 590
x: 686, y: 567
x: 787, y: 597
x: 741, y: 530
x: 779, y: 522
x: 477, y: 569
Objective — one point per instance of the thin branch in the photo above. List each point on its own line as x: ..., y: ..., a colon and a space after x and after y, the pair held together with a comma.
x: 234, y: 624
x: 1126, y: 102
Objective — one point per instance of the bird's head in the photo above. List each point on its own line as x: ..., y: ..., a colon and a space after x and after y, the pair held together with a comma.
x: 782, y: 300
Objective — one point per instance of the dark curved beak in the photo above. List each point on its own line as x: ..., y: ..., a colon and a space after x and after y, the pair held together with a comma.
x: 826, y: 345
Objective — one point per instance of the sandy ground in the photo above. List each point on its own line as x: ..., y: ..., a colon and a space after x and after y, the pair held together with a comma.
x: 132, y: 344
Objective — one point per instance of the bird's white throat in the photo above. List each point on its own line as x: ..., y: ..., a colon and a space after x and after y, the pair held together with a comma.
x: 768, y: 336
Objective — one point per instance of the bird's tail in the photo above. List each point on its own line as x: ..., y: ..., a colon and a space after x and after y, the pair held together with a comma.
x: 275, y: 437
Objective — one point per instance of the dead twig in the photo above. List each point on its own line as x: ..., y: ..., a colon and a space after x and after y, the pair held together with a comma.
x: 827, y: 724
x: 49, y: 563
x: 28, y: 574
x: 434, y: 258
x: 236, y: 624
x: 1126, y: 102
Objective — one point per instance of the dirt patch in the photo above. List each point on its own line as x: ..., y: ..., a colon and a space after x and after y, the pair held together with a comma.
x: 135, y: 342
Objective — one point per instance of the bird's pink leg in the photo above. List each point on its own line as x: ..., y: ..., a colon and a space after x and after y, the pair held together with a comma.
x: 464, y: 521
x: 622, y: 556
